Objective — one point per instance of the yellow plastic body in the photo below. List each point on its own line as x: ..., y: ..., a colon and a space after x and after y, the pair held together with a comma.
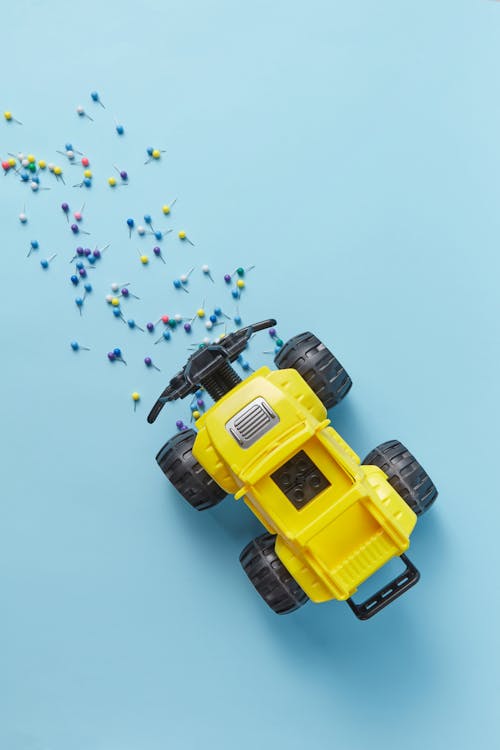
x: 344, y: 534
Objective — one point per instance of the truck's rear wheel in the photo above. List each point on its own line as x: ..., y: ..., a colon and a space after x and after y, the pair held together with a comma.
x: 270, y: 577
x: 406, y: 475
x: 322, y: 371
x: 179, y: 465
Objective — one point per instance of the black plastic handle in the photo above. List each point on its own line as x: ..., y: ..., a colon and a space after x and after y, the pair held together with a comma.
x: 388, y: 593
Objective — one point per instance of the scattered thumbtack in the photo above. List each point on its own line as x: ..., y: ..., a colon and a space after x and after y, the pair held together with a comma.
x: 132, y: 324
x: 181, y: 426
x: 178, y: 285
x: 135, y: 398
x: 80, y: 111
x: 127, y: 293
x: 10, y: 118
x: 78, y: 215
x: 76, y: 347
x: 119, y: 128
x: 23, y: 217
x: 183, y: 236
x: 168, y: 207
x: 206, y: 270
x: 153, y: 154
x: 117, y: 355
x: 95, y: 98
x: 79, y: 302
x: 219, y: 312
x: 65, y: 210
x: 46, y: 261
x: 141, y: 231
x: 76, y: 229
x: 165, y: 336
x: 34, y: 245
x: 184, y: 279
x: 227, y: 278
x: 130, y: 224
x: 149, y: 363
x: 143, y: 258
x: 115, y: 286
x: 157, y: 252
x: 123, y: 174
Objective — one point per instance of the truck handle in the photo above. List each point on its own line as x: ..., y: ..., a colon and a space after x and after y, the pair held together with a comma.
x: 387, y: 594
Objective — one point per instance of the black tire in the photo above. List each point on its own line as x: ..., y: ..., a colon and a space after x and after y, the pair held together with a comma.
x: 177, y: 462
x: 317, y: 365
x: 405, y: 474
x: 270, y: 577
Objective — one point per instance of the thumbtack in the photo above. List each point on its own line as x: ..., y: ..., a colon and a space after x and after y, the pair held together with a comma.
x: 150, y: 327
x: 78, y: 215
x: 95, y: 98
x: 46, y: 261
x: 123, y: 174
x: 157, y: 252
x: 79, y: 301
x: 80, y: 111
x: 34, y: 245
x: 164, y: 337
x: 119, y: 128
x: 22, y: 216
x: 135, y: 398
x: 183, y: 236
x: 143, y: 258
x: 58, y: 173
x: 10, y: 118
x: 153, y: 154
x: 126, y: 293
x: 206, y: 270
x: 168, y: 206
x: 149, y: 363
x: 117, y: 355
x: 76, y: 229
x: 132, y: 324
x: 130, y: 224
x: 76, y: 347
x: 65, y: 210
x: 141, y: 231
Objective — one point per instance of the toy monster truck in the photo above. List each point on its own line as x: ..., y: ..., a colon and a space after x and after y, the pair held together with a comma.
x: 331, y: 520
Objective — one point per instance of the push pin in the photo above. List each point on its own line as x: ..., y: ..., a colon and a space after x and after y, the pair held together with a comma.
x: 34, y: 245
x: 65, y: 210
x: 181, y: 426
x: 35, y: 185
x: 80, y: 111
x: 184, y: 279
x: 119, y: 128
x: 164, y: 319
x: 95, y: 98
x: 58, y: 173
x: 74, y: 279
x: 149, y: 222
x: 219, y: 312
x: 117, y: 355
x: 123, y: 174
x: 78, y: 254
x: 149, y: 363
x: 164, y: 337
x: 150, y: 327
x: 127, y: 293
x: 240, y: 271
x: 77, y: 347
x: 153, y: 154
x: 115, y: 286
x: 23, y: 217
x: 141, y: 231
x: 143, y: 258
x: 206, y: 270
x: 79, y: 302
x: 76, y: 229
x: 10, y: 118
x: 183, y: 236
x: 46, y: 261
x: 135, y: 398
x: 97, y: 254
x: 159, y: 235
x: 78, y: 215
x: 157, y: 252
x: 130, y: 224
x: 168, y: 207
x: 132, y: 324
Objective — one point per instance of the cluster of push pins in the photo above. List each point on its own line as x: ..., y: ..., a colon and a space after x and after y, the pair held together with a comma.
x: 29, y: 171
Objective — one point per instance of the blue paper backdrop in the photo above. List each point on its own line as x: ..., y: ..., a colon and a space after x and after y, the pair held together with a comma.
x: 351, y: 152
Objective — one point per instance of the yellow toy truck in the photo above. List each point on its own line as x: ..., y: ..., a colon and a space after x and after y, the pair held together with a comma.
x: 331, y: 520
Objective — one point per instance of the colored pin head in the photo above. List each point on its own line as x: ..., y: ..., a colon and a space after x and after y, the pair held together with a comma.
x: 34, y: 245
x: 149, y: 363
x: 206, y: 272
x: 65, y: 210
x: 132, y: 324
x: 183, y: 236
x: 95, y: 98
x: 168, y: 207
x: 78, y: 215
x: 165, y: 336
x: 77, y: 347
x: 80, y: 111
x: 123, y: 174
x: 143, y: 258
x: 119, y: 128
x: 10, y: 118
x: 135, y: 398
x: 130, y: 224
x: 46, y: 261
x: 157, y: 252
x: 116, y: 355
x: 154, y: 154
x: 23, y: 217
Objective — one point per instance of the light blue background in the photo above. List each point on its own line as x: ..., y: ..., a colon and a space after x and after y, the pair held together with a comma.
x: 350, y: 150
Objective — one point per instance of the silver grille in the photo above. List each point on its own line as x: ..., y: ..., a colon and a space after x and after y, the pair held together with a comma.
x: 249, y: 424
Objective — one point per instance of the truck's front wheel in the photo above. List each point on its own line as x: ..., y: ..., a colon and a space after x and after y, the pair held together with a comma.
x: 272, y: 580
x: 179, y: 465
